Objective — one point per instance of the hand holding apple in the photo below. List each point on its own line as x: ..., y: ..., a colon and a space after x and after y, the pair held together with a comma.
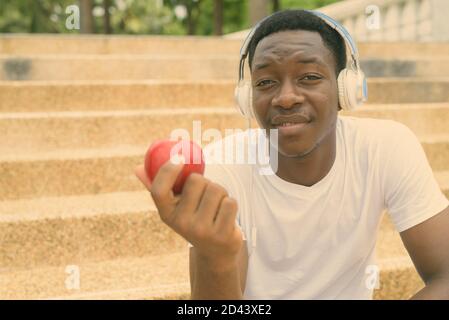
x: 203, y: 213
x: 162, y: 151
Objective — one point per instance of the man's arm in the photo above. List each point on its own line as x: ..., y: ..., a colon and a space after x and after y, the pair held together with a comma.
x: 205, y: 216
x: 428, y: 246
x: 218, y: 282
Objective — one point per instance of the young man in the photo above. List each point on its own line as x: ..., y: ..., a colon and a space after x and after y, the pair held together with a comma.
x: 317, y: 217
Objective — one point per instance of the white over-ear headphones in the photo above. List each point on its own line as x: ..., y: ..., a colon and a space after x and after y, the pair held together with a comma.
x: 352, y: 87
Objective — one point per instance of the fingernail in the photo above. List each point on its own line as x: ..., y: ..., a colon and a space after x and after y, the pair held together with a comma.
x: 177, y: 159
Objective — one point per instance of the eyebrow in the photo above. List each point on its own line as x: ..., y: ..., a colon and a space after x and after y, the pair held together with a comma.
x: 303, y: 60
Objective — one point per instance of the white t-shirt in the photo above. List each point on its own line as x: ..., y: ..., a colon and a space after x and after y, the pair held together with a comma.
x: 317, y: 242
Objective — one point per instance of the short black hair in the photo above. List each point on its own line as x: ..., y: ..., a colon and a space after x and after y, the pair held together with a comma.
x: 301, y: 20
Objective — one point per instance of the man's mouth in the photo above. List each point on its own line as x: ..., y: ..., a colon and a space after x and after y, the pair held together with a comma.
x: 289, y: 120
x: 290, y: 124
x: 287, y: 124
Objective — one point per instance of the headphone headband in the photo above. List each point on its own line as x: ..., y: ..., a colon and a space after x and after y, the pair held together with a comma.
x: 349, y: 42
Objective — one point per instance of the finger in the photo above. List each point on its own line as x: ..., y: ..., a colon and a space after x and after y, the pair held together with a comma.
x: 140, y: 173
x: 210, y: 202
x: 192, y: 193
x: 161, y: 189
x: 225, y: 221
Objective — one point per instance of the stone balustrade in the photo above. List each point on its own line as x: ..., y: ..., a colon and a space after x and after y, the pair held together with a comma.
x: 393, y: 20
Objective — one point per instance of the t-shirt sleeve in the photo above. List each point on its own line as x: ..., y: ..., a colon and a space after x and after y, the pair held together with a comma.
x: 411, y: 192
x: 222, y: 174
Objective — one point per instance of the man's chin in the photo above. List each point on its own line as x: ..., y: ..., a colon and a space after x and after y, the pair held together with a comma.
x: 294, y: 151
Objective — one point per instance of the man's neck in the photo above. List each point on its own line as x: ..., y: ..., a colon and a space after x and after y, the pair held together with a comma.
x: 311, y: 168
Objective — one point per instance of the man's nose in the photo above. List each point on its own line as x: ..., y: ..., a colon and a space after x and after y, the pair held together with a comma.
x: 288, y: 95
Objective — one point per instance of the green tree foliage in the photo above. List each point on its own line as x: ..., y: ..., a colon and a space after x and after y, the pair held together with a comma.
x: 135, y: 16
x: 143, y: 17
x: 306, y: 4
x: 33, y: 15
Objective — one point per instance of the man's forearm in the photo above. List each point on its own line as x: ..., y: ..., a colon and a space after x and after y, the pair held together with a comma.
x: 434, y: 290
x: 216, y: 282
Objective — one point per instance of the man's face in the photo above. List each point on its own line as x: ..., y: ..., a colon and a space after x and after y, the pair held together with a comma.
x: 295, y: 89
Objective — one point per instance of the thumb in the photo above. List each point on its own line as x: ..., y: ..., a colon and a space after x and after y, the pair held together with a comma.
x: 140, y: 173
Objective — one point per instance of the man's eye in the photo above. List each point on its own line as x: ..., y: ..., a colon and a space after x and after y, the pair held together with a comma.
x: 264, y: 83
x: 312, y: 77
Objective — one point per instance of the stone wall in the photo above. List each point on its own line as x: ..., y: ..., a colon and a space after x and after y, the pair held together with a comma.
x: 393, y: 20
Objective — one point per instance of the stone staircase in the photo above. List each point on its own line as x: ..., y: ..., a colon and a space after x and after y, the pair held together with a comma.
x: 77, y: 114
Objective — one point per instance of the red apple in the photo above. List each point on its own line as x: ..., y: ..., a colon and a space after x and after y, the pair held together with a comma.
x: 161, y: 151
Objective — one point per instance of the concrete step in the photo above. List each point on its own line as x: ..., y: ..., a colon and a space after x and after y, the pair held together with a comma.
x: 49, y: 131
x: 158, y: 277
x: 117, y: 67
x: 140, y: 67
x: 100, y: 170
x: 118, y: 95
x: 403, y: 49
x: 100, y: 44
x: 421, y: 118
x: 64, y: 230
x: 398, y: 276
x: 442, y: 178
x: 116, y: 44
x: 58, y: 231
x: 408, y: 90
x: 437, y: 151
x: 70, y: 172
x: 405, y: 67
x: 72, y: 230
x: 20, y: 96
x: 163, y: 276
x: 120, y: 248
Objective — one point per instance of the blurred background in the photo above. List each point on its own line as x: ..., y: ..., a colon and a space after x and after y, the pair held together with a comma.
x: 164, y: 17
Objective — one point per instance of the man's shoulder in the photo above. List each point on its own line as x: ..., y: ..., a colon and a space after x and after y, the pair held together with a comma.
x: 368, y: 124
x: 372, y: 128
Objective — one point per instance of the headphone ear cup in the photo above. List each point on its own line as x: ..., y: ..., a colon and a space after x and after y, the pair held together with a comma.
x: 341, y: 89
x: 347, y: 89
x: 243, y: 97
x: 250, y: 102
x: 362, y: 94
